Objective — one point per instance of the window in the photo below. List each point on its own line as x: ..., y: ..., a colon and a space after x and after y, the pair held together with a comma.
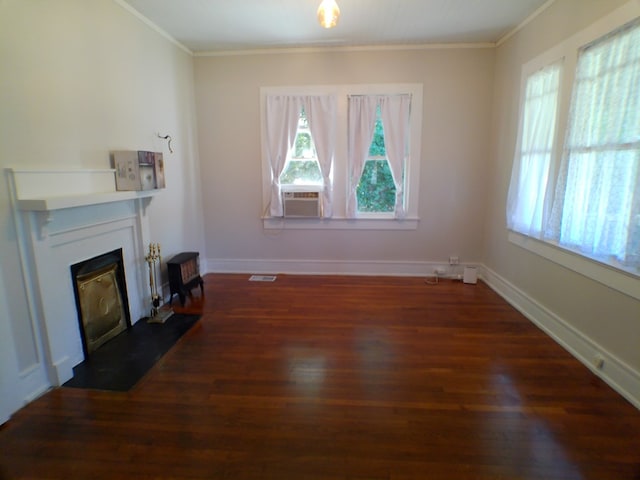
x: 293, y: 156
x: 597, y: 205
x: 581, y: 192
x: 302, y: 167
x: 307, y: 144
x: 378, y: 142
x: 529, y: 191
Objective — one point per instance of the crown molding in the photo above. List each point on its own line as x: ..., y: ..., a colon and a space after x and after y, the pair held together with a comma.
x: 522, y: 24
x: 152, y: 25
x: 344, y: 49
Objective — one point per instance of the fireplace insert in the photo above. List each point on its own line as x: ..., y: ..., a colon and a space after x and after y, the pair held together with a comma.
x: 101, y: 299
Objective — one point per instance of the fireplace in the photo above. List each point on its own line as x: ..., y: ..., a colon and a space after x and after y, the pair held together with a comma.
x: 100, y: 291
x: 65, y: 218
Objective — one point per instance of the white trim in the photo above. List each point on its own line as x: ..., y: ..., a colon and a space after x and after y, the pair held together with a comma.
x: 56, y: 189
x: 270, y: 223
x: 333, y: 267
x: 616, y: 373
x: 624, y: 282
x: 57, y: 171
x: 36, y: 378
x: 63, y: 370
x: 47, y: 204
x: 524, y: 23
x: 152, y: 25
x: 345, y: 49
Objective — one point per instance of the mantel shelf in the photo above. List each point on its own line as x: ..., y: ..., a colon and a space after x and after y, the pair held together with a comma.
x: 46, y: 204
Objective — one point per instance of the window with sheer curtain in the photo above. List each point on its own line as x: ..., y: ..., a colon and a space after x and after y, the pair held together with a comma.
x: 589, y: 201
x: 283, y: 113
x: 529, y: 197
x: 597, y: 203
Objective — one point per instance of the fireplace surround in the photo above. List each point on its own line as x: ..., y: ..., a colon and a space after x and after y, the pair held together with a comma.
x: 64, y: 218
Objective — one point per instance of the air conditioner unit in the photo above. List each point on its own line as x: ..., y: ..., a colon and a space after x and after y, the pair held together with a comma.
x: 301, y: 204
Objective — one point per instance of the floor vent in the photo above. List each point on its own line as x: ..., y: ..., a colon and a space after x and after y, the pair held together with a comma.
x: 262, y: 278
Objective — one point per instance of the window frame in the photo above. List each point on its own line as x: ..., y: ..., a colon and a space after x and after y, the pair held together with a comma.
x: 390, y: 214
x: 610, y: 273
x: 340, y: 220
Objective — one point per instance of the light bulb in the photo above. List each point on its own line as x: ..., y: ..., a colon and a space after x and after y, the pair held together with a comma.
x: 328, y: 13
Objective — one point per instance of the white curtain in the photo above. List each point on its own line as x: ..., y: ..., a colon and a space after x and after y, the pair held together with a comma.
x: 283, y: 113
x: 321, y: 114
x: 597, y: 202
x: 530, y: 192
x: 395, y: 111
x: 362, y: 122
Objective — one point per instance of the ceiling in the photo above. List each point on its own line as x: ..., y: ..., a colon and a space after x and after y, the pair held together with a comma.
x: 227, y: 25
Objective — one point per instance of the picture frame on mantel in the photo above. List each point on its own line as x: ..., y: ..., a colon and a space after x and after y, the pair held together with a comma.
x: 138, y: 170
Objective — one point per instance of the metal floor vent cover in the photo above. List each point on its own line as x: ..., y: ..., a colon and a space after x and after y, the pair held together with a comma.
x: 262, y: 278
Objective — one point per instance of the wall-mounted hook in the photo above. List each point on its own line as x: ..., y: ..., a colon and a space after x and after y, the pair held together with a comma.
x: 168, y: 138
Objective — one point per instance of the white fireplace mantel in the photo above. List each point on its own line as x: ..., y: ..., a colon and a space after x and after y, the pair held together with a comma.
x: 62, y: 217
x: 46, y: 204
x: 46, y: 190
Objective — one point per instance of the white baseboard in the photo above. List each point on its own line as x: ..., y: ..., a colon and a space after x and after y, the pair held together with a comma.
x: 616, y: 373
x: 329, y: 267
x: 63, y: 370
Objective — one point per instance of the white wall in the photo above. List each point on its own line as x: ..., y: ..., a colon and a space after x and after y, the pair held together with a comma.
x: 590, y: 318
x: 80, y: 79
x: 458, y: 87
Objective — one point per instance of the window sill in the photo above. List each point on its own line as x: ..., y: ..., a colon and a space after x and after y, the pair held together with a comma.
x: 613, y: 277
x: 334, y: 223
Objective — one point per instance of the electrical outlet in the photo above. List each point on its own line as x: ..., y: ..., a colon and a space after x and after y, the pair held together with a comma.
x: 454, y: 260
x: 598, y: 361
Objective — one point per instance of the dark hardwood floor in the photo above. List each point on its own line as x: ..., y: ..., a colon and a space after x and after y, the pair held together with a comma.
x: 327, y: 377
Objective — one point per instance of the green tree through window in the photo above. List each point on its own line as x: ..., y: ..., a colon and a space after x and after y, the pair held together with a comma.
x: 376, y: 192
x: 303, y: 167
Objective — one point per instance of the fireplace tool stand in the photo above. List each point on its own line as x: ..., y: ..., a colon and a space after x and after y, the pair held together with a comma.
x: 154, y: 260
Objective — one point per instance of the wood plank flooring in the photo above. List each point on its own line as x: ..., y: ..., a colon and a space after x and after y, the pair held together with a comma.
x: 329, y: 377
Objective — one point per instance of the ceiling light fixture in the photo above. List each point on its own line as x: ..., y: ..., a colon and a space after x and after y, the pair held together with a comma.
x: 328, y: 13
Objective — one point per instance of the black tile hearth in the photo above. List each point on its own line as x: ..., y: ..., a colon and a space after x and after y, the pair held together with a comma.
x: 120, y: 363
